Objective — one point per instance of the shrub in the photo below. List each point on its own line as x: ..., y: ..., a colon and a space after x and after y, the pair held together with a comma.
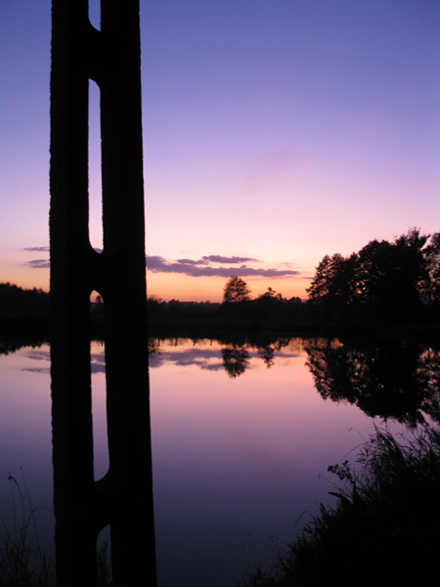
x: 384, y: 529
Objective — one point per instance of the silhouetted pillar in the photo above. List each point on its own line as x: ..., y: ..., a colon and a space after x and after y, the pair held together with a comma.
x: 123, y: 499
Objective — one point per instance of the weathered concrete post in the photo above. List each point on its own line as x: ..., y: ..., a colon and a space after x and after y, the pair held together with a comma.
x: 123, y: 499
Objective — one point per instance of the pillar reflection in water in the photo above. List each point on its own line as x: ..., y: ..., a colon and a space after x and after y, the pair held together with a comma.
x: 123, y: 498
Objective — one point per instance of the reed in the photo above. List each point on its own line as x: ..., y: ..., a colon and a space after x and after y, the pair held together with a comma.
x: 384, y: 528
x: 22, y: 561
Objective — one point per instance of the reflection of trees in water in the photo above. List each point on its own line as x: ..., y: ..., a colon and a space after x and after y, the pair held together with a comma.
x: 266, y: 353
x: 236, y: 356
x: 235, y: 360
x: 392, y: 381
x: 153, y: 346
x: 236, y: 351
x: 266, y: 348
x: 429, y: 377
x: 12, y: 344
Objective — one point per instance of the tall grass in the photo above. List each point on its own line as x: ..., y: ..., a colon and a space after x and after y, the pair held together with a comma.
x: 22, y: 562
x: 385, y: 529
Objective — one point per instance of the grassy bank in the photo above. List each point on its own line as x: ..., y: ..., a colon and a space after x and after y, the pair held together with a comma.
x: 385, y: 528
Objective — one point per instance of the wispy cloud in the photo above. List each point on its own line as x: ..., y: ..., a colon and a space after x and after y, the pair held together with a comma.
x: 223, y: 260
x: 43, y: 263
x: 203, y: 267
x: 43, y: 370
x: 207, y: 259
x: 37, y: 249
x: 38, y: 263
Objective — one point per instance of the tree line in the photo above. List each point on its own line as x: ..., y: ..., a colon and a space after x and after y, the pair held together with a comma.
x: 23, y: 311
x: 236, y: 312
x: 384, y: 283
x: 15, y: 300
x: 268, y: 306
x: 387, y: 282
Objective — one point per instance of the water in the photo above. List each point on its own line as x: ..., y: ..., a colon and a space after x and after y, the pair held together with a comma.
x: 241, y: 439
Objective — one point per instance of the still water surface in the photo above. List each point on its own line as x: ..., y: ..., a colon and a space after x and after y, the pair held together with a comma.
x: 242, y: 438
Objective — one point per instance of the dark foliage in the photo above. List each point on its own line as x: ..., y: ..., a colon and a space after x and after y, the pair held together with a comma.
x: 387, y: 283
x: 24, y: 312
x: 384, y: 530
x: 270, y: 311
x: 17, y: 301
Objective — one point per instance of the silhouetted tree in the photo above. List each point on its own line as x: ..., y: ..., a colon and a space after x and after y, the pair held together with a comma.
x: 386, y: 281
x: 334, y: 285
x: 236, y: 291
x: 391, y: 276
x: 270, y: 305
x: 271, y: 294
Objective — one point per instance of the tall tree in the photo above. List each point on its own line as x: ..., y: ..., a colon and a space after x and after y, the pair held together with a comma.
x: 235, y: 291
x: 334, y: 285
x: 391, y: 276
x: 386, y: 280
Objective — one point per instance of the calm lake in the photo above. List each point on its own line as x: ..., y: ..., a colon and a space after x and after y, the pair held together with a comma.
x: 242, y: 437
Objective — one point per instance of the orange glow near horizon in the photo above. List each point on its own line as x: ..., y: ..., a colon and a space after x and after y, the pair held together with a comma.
x: 168, y: 286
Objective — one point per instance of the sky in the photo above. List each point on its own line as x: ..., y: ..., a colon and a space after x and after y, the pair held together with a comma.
x: 275, y: 132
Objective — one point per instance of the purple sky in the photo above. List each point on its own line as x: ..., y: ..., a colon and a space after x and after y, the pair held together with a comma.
x: 275, y: 131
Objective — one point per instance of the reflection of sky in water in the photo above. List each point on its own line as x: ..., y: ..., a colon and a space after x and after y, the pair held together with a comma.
x: 236, y: 460
x: 25, y: 434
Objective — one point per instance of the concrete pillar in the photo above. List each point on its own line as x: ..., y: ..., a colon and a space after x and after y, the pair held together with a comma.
x: 123, y: 499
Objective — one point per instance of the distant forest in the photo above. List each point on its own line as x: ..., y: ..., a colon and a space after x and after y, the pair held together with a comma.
x: 24, y: 312
x: 383, y: 285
